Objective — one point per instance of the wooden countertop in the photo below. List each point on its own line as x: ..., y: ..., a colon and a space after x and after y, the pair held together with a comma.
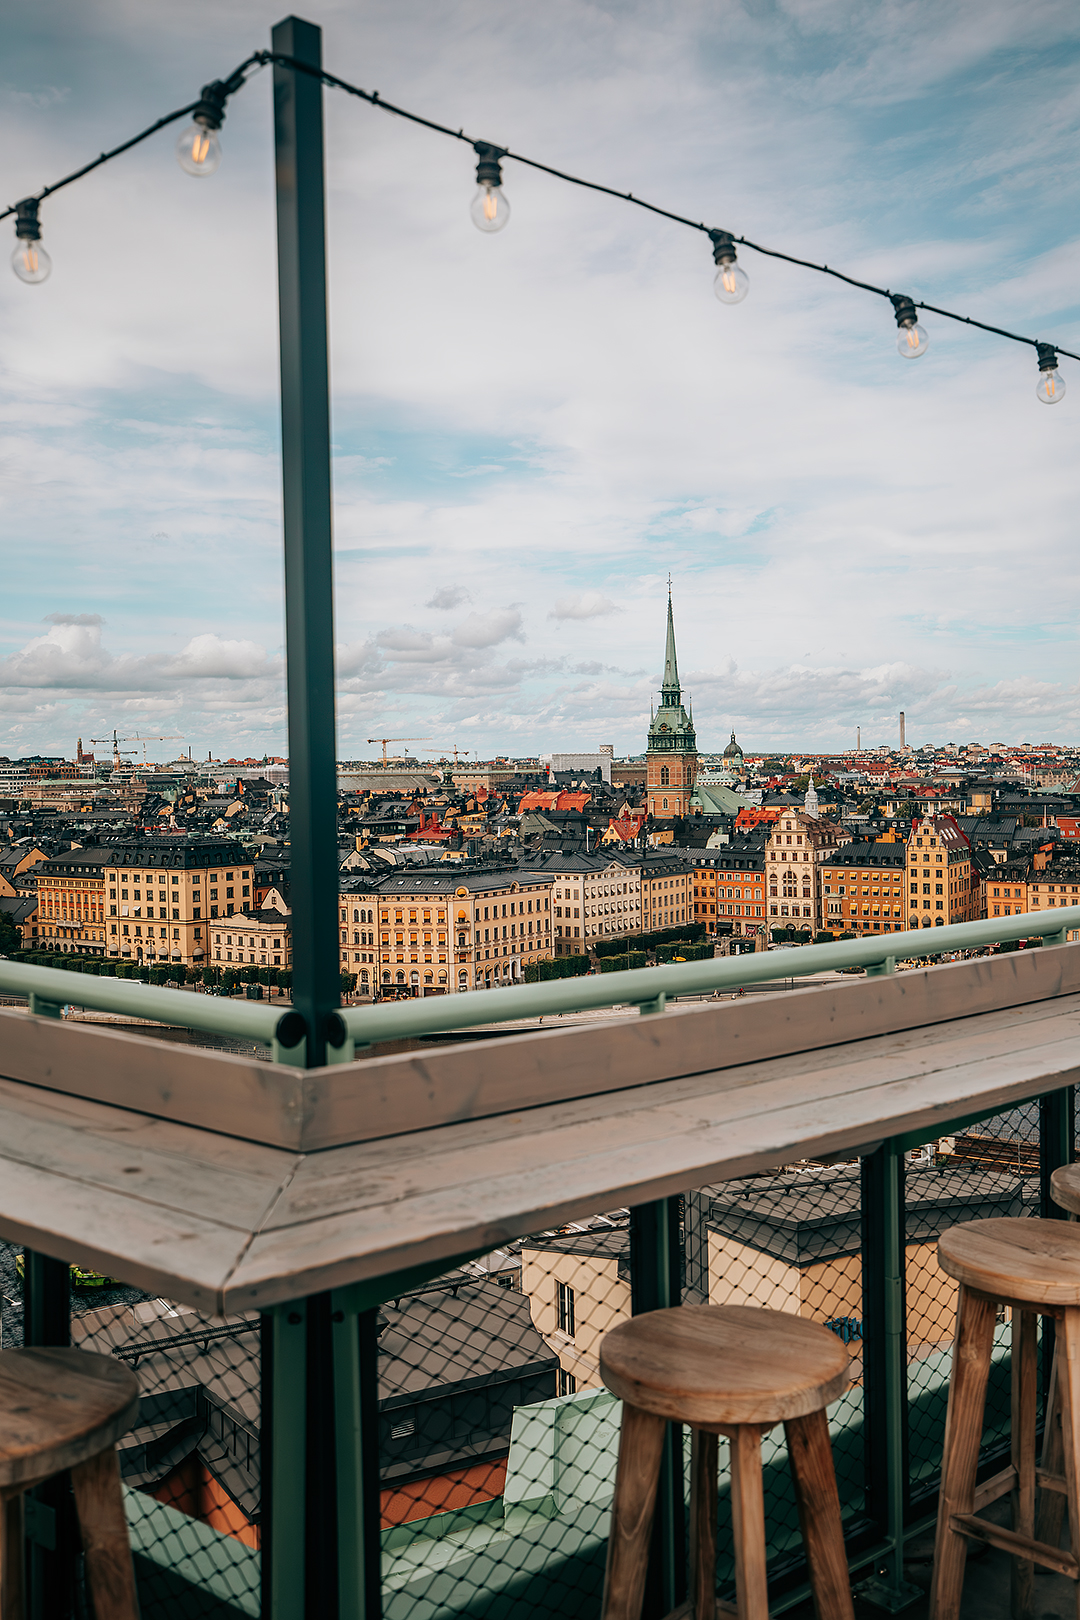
x: 518, y: 1135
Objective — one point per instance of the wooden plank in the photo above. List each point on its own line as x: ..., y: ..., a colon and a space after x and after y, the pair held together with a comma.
x: 239, y: 1095
x: 110, y: 1572
x: 966, y: 1524
x: 386, y: 1096
x: 360, y: 1212
x: 378, y: 1097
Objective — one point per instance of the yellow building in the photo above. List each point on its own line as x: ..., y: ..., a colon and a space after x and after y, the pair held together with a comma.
x: 943, y: 885
x: 71, y: 903
x: 161, y: 894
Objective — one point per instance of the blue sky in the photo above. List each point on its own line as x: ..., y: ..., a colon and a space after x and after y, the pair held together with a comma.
x: 531, y: 430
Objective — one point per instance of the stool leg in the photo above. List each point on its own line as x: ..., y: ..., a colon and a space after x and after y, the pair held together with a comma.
x: 12, y: 1559
x: 99, y: 1503
x: 1052, y: 1503
x: 963, y: 1432
x: 641, y: 1443
x: 1068, y: 1384
x: 748, y: 1523
x: 703, y: 1507
x: 811, y: 1458
x: 1024, y: 1350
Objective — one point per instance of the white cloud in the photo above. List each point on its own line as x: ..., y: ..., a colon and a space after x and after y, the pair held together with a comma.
x: 447, y: 597
x: 488, y: 629
x: 586, y: 605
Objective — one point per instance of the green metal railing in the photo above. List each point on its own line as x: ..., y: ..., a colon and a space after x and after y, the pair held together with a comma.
x: 646, y: 988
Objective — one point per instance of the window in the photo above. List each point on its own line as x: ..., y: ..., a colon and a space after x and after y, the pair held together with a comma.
x: 564, y: 1305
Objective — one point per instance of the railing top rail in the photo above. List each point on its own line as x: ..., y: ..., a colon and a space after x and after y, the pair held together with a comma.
x: 646, y: 988
x: 247, y: 1020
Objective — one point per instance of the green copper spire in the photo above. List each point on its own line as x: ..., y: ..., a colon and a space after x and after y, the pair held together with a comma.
x: 670, y: 687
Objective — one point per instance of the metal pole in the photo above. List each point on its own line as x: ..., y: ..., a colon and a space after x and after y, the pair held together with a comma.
x: 655, y: 1284
x: 1057, y: 1134
x: 52, y: 1533
x: 305, y: 471
x: 885, y: 1369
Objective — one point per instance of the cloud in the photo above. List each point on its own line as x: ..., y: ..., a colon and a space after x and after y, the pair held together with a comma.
x: 71, y: 657
x: 586, y: 605
x: 488, y: 629
x: 447, y: 597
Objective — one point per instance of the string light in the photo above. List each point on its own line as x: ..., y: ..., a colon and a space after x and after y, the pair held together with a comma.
x: 911, y: 340
x: 731, y: 282
x: 1051, y: 385
x: 489, y: 209
x: 199, y: 152
x: 29, y: 261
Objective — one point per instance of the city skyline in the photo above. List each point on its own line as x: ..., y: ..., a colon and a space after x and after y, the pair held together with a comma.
x: 529, y: 438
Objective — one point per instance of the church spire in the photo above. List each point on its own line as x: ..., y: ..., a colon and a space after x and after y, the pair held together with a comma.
x: 670, y: 687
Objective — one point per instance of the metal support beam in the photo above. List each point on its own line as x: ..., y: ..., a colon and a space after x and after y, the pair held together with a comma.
x: 1057, y: 1137
x: 305, y: 466
x: 53, y: 1544
x: 656, y: 1263
x: 282, y: 1444
x: 885, y: 1419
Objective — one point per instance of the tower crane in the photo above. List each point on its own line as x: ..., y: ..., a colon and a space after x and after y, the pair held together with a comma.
x: 385, y: 740
x: 119, y: 752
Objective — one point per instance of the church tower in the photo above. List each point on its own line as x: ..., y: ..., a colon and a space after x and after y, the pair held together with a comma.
x: 671, y: 755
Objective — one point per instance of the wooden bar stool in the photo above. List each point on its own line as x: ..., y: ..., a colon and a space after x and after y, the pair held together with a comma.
x: 65, y: 1409
x: 1034, y: 1267
x: 736, y: 1371
x: 1065, y: 1191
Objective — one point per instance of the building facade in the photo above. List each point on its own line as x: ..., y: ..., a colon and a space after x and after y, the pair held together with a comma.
x: 671, y: 755
x: 797, y: 844
x: 729, y: 889
x: 863, y: 888
x: 943, y: 883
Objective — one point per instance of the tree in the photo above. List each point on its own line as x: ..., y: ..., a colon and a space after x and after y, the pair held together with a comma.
x: 9, y: 936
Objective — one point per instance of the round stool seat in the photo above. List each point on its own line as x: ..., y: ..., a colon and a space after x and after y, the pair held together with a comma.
x: 1065, y: 1187
x: 58, y: 1408
x: 724, y: 1364
x: 1035, y: 1261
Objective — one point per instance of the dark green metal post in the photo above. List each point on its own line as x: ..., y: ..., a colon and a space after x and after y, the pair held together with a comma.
x: 303, y: 1578
x: 1057, y: 1135
x: 309, y: 596
x: 655, y: 1284
x: 52, y: 1533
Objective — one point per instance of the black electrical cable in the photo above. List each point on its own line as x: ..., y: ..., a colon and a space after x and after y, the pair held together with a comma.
x: 234, y: 82
x: 237, y: 79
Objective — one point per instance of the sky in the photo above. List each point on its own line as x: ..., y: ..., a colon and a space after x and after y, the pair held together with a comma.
x: 532, y: 430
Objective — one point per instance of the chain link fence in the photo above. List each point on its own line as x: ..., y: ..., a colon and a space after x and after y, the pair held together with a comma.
x: 497, y: 1439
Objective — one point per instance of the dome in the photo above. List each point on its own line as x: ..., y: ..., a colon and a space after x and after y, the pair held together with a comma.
x: 733, y: 751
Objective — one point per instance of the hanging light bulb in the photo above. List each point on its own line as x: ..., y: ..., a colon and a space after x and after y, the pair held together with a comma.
x: 731, y: 282
x: 1051, y: 384
x: 489, y: 208
x: 198, y: 149
x: 29, y: 261
x: 911, y: 338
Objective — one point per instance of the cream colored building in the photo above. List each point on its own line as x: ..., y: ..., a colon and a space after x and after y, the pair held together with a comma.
x: 578, y: 1287
x: 797, y: 846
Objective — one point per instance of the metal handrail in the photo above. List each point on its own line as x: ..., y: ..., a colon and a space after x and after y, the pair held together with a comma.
x: 649, y: 988
x: 646, y: 988
x: 57, y: 987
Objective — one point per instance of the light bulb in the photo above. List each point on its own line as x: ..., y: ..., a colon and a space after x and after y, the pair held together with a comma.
x: 198, y: 149
x: 30, y: 262
x: 731, y: 282
x: 1051, y: 386
x: 911, y: 340
x: 490, y: 209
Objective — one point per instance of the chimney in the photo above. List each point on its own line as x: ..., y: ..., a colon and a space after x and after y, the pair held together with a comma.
x: 903, y: 740
x: 858, y: 739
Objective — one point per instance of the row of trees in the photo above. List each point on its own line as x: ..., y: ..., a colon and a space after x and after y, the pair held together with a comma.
x: 174, y: 973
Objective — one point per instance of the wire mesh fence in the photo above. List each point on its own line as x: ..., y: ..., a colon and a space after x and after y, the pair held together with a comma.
x: 497, y: 1440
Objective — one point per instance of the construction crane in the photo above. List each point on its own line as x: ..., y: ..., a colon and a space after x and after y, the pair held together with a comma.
x: 385, y: 740
x: 464, y: 752
x: 118, y: 752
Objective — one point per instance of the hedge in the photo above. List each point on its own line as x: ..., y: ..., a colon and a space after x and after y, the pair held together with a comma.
x: 619, y: 964
x: 689, y: 953
x: 649, y: 942
x: 561, y: 967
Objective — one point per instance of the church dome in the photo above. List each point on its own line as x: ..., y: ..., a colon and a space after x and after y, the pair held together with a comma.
x: 733, y: 751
